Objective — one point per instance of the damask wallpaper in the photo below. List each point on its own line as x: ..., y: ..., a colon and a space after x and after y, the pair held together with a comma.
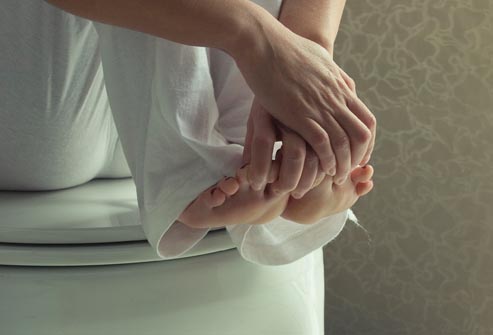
x: 425, y: 69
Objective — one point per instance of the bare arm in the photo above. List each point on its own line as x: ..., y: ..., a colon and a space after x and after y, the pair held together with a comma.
x: 295, y: 79
x: 222, y: 24
x: 317, y: 20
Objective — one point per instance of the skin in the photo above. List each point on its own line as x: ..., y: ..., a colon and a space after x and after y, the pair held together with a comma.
x: 317, y: 20
x: 293, y: 78
x: 232, y: 201
x: 295, y: 81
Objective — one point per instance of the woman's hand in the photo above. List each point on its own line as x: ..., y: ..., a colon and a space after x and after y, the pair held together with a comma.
x: 299, y: 166
x: 299, y: 84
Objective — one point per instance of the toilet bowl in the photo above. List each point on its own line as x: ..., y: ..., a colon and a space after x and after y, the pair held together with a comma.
x: 76, y: 261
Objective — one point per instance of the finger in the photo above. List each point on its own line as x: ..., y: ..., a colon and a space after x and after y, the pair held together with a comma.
x: 308, y: 176
x: 349, y: 81
x: 364, y: 188
x: 369, y: 151
x: 248, y: 140
x: 370, y: 122
x: 319, y: 141
x: 358, y: 134
x: 264, y: 136
x: 320, y: 176
x: 361, y: 111
x: 293, y: 158
x: 341, y: 146
x: 274, y: 171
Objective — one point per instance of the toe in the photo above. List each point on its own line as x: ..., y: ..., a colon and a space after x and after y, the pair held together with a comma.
x: 364, y: 188
x: 229, y: 186
x: 217, y: 198
x: 241, y: 175
x: 362, y: 174
x: 368, y: 172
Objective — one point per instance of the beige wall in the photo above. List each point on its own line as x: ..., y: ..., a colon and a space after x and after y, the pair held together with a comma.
x: 425, y: 69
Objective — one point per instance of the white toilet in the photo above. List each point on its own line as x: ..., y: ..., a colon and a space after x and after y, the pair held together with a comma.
x: 76, y: 261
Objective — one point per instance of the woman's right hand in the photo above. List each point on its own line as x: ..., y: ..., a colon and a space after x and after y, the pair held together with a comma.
x: 299, y: 84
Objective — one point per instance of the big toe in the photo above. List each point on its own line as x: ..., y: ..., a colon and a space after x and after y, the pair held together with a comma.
x: 364, y: 188
x: 215, y: 198
x: 198, y: 209
x: 241, y: 175
x: 362, y: 174
x: 229, y: 186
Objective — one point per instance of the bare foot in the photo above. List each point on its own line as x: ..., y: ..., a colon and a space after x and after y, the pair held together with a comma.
x: 329, y: 198
x: 232, y: 201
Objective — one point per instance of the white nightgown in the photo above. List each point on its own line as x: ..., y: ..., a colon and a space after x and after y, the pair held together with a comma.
x: 180, y: 114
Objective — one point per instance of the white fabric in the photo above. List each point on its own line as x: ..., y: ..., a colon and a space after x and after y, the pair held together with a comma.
x: 181, y: 113
x: 56, y: 128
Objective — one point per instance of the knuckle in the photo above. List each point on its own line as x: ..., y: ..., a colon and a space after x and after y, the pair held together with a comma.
x: 341, y: 142
x: 364, y: 136
x: 319, y: 139
x: 352, y: 83
x: 372, y: 121
x: 341, y: 83
x: 263, y: 141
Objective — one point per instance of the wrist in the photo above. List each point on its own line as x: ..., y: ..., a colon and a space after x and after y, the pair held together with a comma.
x: 253, y: 30
x: 323, y: 41
x: 321, y: 37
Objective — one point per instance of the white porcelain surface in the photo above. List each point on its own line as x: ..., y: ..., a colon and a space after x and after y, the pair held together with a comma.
x: 101, y: 253
x: 103, y: 210
x: 78, y: 226
x: 213, y: 294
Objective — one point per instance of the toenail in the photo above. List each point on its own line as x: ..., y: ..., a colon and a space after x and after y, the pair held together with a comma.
x: 332, y: 171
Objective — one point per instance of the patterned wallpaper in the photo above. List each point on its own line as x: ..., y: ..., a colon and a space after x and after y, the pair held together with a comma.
x: 425, y: 69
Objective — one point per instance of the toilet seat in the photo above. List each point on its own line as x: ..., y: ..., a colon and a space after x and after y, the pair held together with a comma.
x: 96, y: 223
x: 77, y: 263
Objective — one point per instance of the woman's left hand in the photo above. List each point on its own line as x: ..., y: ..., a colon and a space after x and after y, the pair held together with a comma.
x: 300, y: 168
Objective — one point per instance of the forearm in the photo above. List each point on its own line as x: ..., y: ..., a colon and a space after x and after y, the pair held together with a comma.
x: 221, y: 24
x: 317, y: 20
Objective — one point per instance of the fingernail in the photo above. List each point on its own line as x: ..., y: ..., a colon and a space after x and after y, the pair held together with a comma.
x: 257, y: 186
x: 297, y: 195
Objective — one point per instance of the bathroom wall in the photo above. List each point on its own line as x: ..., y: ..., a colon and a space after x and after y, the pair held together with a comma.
x: 425, y: 69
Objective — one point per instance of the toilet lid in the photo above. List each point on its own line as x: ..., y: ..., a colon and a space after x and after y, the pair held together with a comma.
x: 100, y: 211
x: 79, y: 226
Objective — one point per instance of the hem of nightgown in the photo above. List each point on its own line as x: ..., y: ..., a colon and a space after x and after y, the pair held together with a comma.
x: 253, y: 248
x: 169, y: 237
